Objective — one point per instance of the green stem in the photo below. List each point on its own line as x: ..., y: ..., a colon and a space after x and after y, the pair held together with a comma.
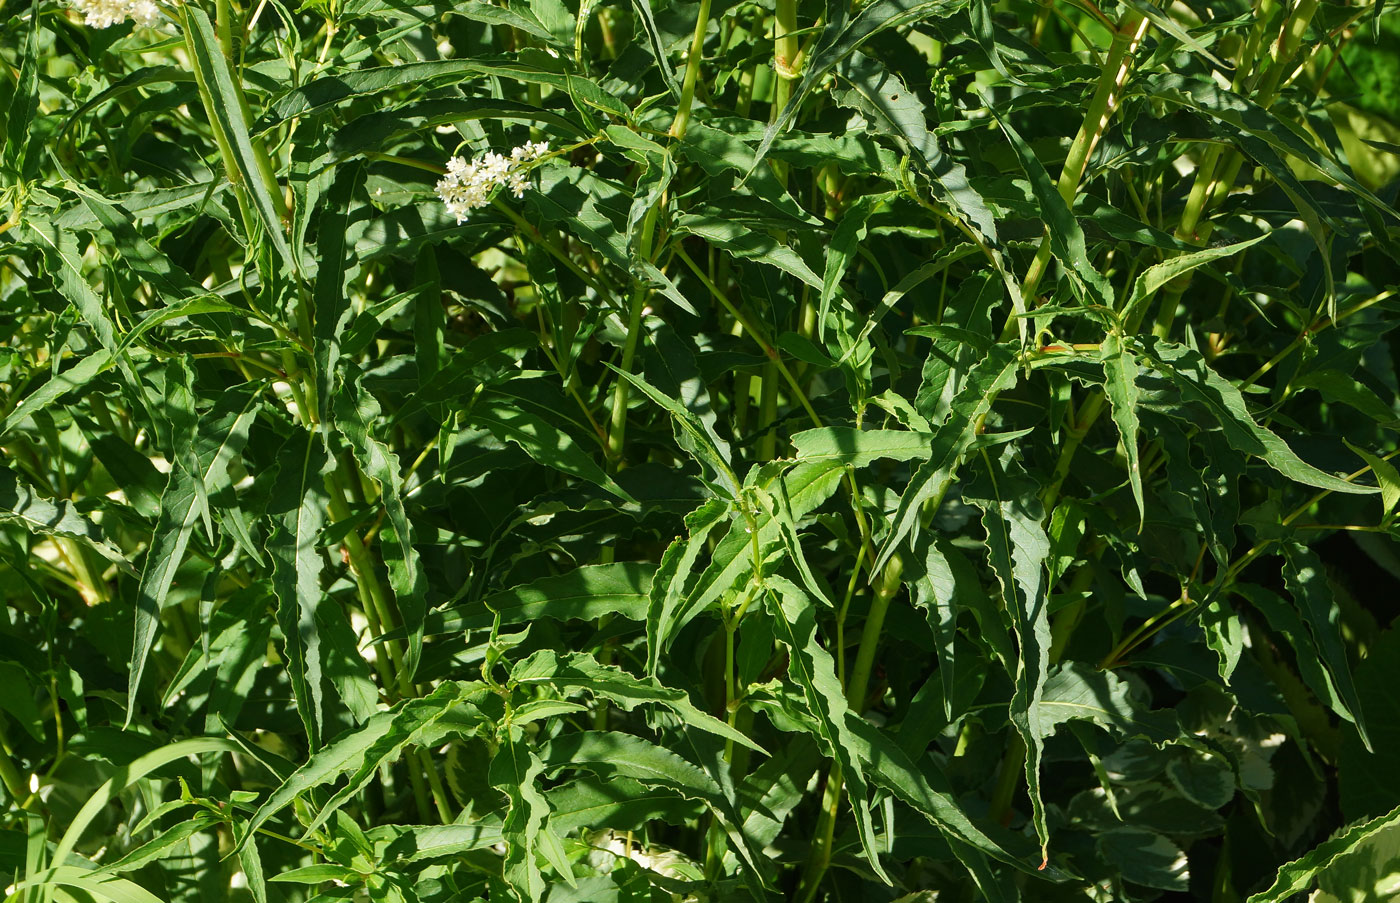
x: 1115, y: 70
x: 692, y: 71
x: 1008, y: 779
x: 617, y: 426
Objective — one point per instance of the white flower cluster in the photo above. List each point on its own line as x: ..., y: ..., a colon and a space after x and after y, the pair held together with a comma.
x: 106, y: 13
x: 469, y: 183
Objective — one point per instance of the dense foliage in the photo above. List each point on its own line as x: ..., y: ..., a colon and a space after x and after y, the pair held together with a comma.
x: 699, y: 450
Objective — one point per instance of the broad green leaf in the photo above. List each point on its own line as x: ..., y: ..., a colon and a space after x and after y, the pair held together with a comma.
x: 1299, y: 874
x: 1077, y: 692
x: 858, y: 448
x: 95, y: 885
x: 349, y: 83
x: 747, y: 243
x: 1146, y: 858
x: 585, y: 593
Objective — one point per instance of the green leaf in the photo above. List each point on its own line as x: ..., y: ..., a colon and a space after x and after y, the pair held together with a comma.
x: 355, y: 413
x: 346, y: 84
x: 297, y: 563
x: 813, y: 669
x: 585, y: 593
x: 317, y: 874
x: 890, y: 107
x: 1386, y: 477
x: 1158, y: 275
x: 858, y: 448
x: 357, y: 754
x: 219, y: 439
x: 1120, y: 385
x: 1018, y: 548
x: 1315, y: 598
x: 1199, y: 383
x: 94, y: 884
x: 330, y: 301
x: 1298, y: 875
x: 1062, y: 228
x: 951, y: 443
x: 52, y: 517
x: 741, y: 241
x: 514, y: 771
x: 1146, y: 858
x: 580, y: 671
x: 668, y: 588
x: 839, y: 39
x: 229, y: 112
x: 541, y: 441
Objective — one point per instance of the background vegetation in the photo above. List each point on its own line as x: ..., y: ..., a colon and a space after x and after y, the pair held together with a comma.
x: 914, y: 449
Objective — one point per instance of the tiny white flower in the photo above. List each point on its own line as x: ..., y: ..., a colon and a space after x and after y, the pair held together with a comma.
x: 106, y: 13
x: 468, y: 183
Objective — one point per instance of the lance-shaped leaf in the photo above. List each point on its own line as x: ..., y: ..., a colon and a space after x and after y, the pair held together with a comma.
x: 297, y: 563
x: 52, y: 517
x: 1062, y: 229
x: 694, y: 435
x: 1315, y: 598
x: 581, y: 671
x: 228, y: 112
x: 673, y: 574
x: 814, y: 670
x: 1198, y: 382
x: 331, y: 301
x: 995, y: 373
x: 358, y: 754
x: 1017, y: 547
x: 1298, y: 875
x: 890, y: 107
x: 611, y: 754
x: 808, y: 485
x: 585, y: 593
x: 356, y: 411
x: 221, y: 435
x: 1120, y: 385
x: 1158, y: 275
x: 541, y: 440
x: 839, y: 39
